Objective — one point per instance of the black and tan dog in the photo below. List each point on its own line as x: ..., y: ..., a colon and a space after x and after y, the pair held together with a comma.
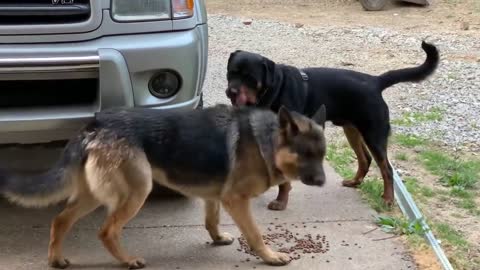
x: 224, y: 155
x: 353, y: 100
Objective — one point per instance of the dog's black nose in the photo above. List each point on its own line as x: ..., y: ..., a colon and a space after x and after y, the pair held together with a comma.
x: 313, y: 180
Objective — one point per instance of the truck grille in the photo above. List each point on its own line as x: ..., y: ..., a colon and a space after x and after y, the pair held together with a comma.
x: 32, y: 12
x: 48, y: 93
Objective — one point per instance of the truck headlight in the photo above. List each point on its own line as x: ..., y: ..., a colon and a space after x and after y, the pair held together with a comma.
x: 151, y: 10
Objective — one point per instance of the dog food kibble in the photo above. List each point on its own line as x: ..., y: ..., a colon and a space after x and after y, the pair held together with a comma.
x: 291, y: 243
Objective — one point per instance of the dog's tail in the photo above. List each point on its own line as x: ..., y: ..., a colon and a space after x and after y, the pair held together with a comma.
x: 46, y: 188
x: 415, y: 74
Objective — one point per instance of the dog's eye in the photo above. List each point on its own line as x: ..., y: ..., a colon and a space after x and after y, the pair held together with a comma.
x: 307, y: 153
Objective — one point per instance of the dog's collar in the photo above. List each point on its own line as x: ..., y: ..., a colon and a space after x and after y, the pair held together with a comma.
x: 264, y: 92
x: 304, y: 75
x: 305, y: 79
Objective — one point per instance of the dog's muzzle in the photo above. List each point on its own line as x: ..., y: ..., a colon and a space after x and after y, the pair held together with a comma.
x: 317, y: 179
x: 232, y: 94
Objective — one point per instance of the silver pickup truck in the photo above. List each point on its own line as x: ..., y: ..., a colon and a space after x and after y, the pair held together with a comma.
x: 63, y: 60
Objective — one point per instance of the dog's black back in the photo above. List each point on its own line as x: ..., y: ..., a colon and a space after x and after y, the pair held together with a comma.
x: 347, y: 94
x: 182, y: 143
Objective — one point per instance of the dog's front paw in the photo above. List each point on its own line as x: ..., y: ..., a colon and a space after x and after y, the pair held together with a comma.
x: 136, y: 263
x: 224, y: 239
x: 277, y: 259
x: 388, y: 200
x: 351, y: 183
x: 60, y: 263
x: 277, y: 205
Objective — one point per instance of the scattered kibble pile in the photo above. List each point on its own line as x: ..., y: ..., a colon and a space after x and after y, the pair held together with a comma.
x: 282, y: 239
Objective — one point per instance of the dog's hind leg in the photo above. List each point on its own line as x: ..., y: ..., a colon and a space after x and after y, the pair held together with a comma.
x: 364, y: 159
x: 280, y: 203
x: 239, y: 209
x: 124, y: 191
x: 212, y: 219
x: 377, y: 140
x: 81, y: 206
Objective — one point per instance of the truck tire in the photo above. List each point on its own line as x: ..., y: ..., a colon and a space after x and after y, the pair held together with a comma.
x: 373, y: 5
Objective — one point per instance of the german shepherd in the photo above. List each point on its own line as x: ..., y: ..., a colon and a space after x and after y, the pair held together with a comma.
x: 354, y: 101
x: 223, y: 155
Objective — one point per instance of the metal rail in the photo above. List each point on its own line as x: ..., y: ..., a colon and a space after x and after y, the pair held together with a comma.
x: 410, y: 209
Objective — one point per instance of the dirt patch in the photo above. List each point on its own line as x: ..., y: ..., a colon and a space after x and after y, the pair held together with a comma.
x: 426, y: 259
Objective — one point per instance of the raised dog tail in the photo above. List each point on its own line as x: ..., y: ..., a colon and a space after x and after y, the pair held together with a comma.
x: 50, y: 187
x: 415, y: 74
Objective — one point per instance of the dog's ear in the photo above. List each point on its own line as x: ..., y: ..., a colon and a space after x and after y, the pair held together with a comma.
x: 269, y: 75
x: 287, y: 124
x: 320, y: 117
x: 231, y: 57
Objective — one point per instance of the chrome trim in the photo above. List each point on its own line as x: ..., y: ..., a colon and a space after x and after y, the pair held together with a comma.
x: 48, y: 64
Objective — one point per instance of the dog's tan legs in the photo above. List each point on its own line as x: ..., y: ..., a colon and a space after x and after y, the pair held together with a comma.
x: 212, y: 219
x: 111, y: 231
x: 123, y: 190
x: 280, y: 203
x: 377, y: 143
x: 364, y: 159
x: 387, y: 174
x: 239, y: 209
x: 62, y: 224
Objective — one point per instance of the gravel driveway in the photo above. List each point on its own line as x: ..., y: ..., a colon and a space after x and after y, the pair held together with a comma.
x: 453, y: 90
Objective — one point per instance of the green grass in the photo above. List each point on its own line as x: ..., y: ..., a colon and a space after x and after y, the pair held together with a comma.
x: 456, y: 246
x: 466, y: 199
x: 409, y: 141
x: 468, y: 204
x: 341, y: 159
x: 461, y: 193
x: 372, y: 190
x: 450, y: 236
x: 415, y: 188
x: 411, y: 184
x: 401, y: 156
x: 412, y: 118
x: 400, y: 226
x: 427, y: 192
x: 453, y: 172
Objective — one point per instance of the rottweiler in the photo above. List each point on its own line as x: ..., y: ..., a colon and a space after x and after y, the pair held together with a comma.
x: 353, y: 100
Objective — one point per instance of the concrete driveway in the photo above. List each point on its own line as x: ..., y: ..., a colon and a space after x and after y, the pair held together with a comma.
x: 169, y: 233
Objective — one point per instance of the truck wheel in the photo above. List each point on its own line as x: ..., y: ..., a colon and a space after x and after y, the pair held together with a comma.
x: 373, y: 5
